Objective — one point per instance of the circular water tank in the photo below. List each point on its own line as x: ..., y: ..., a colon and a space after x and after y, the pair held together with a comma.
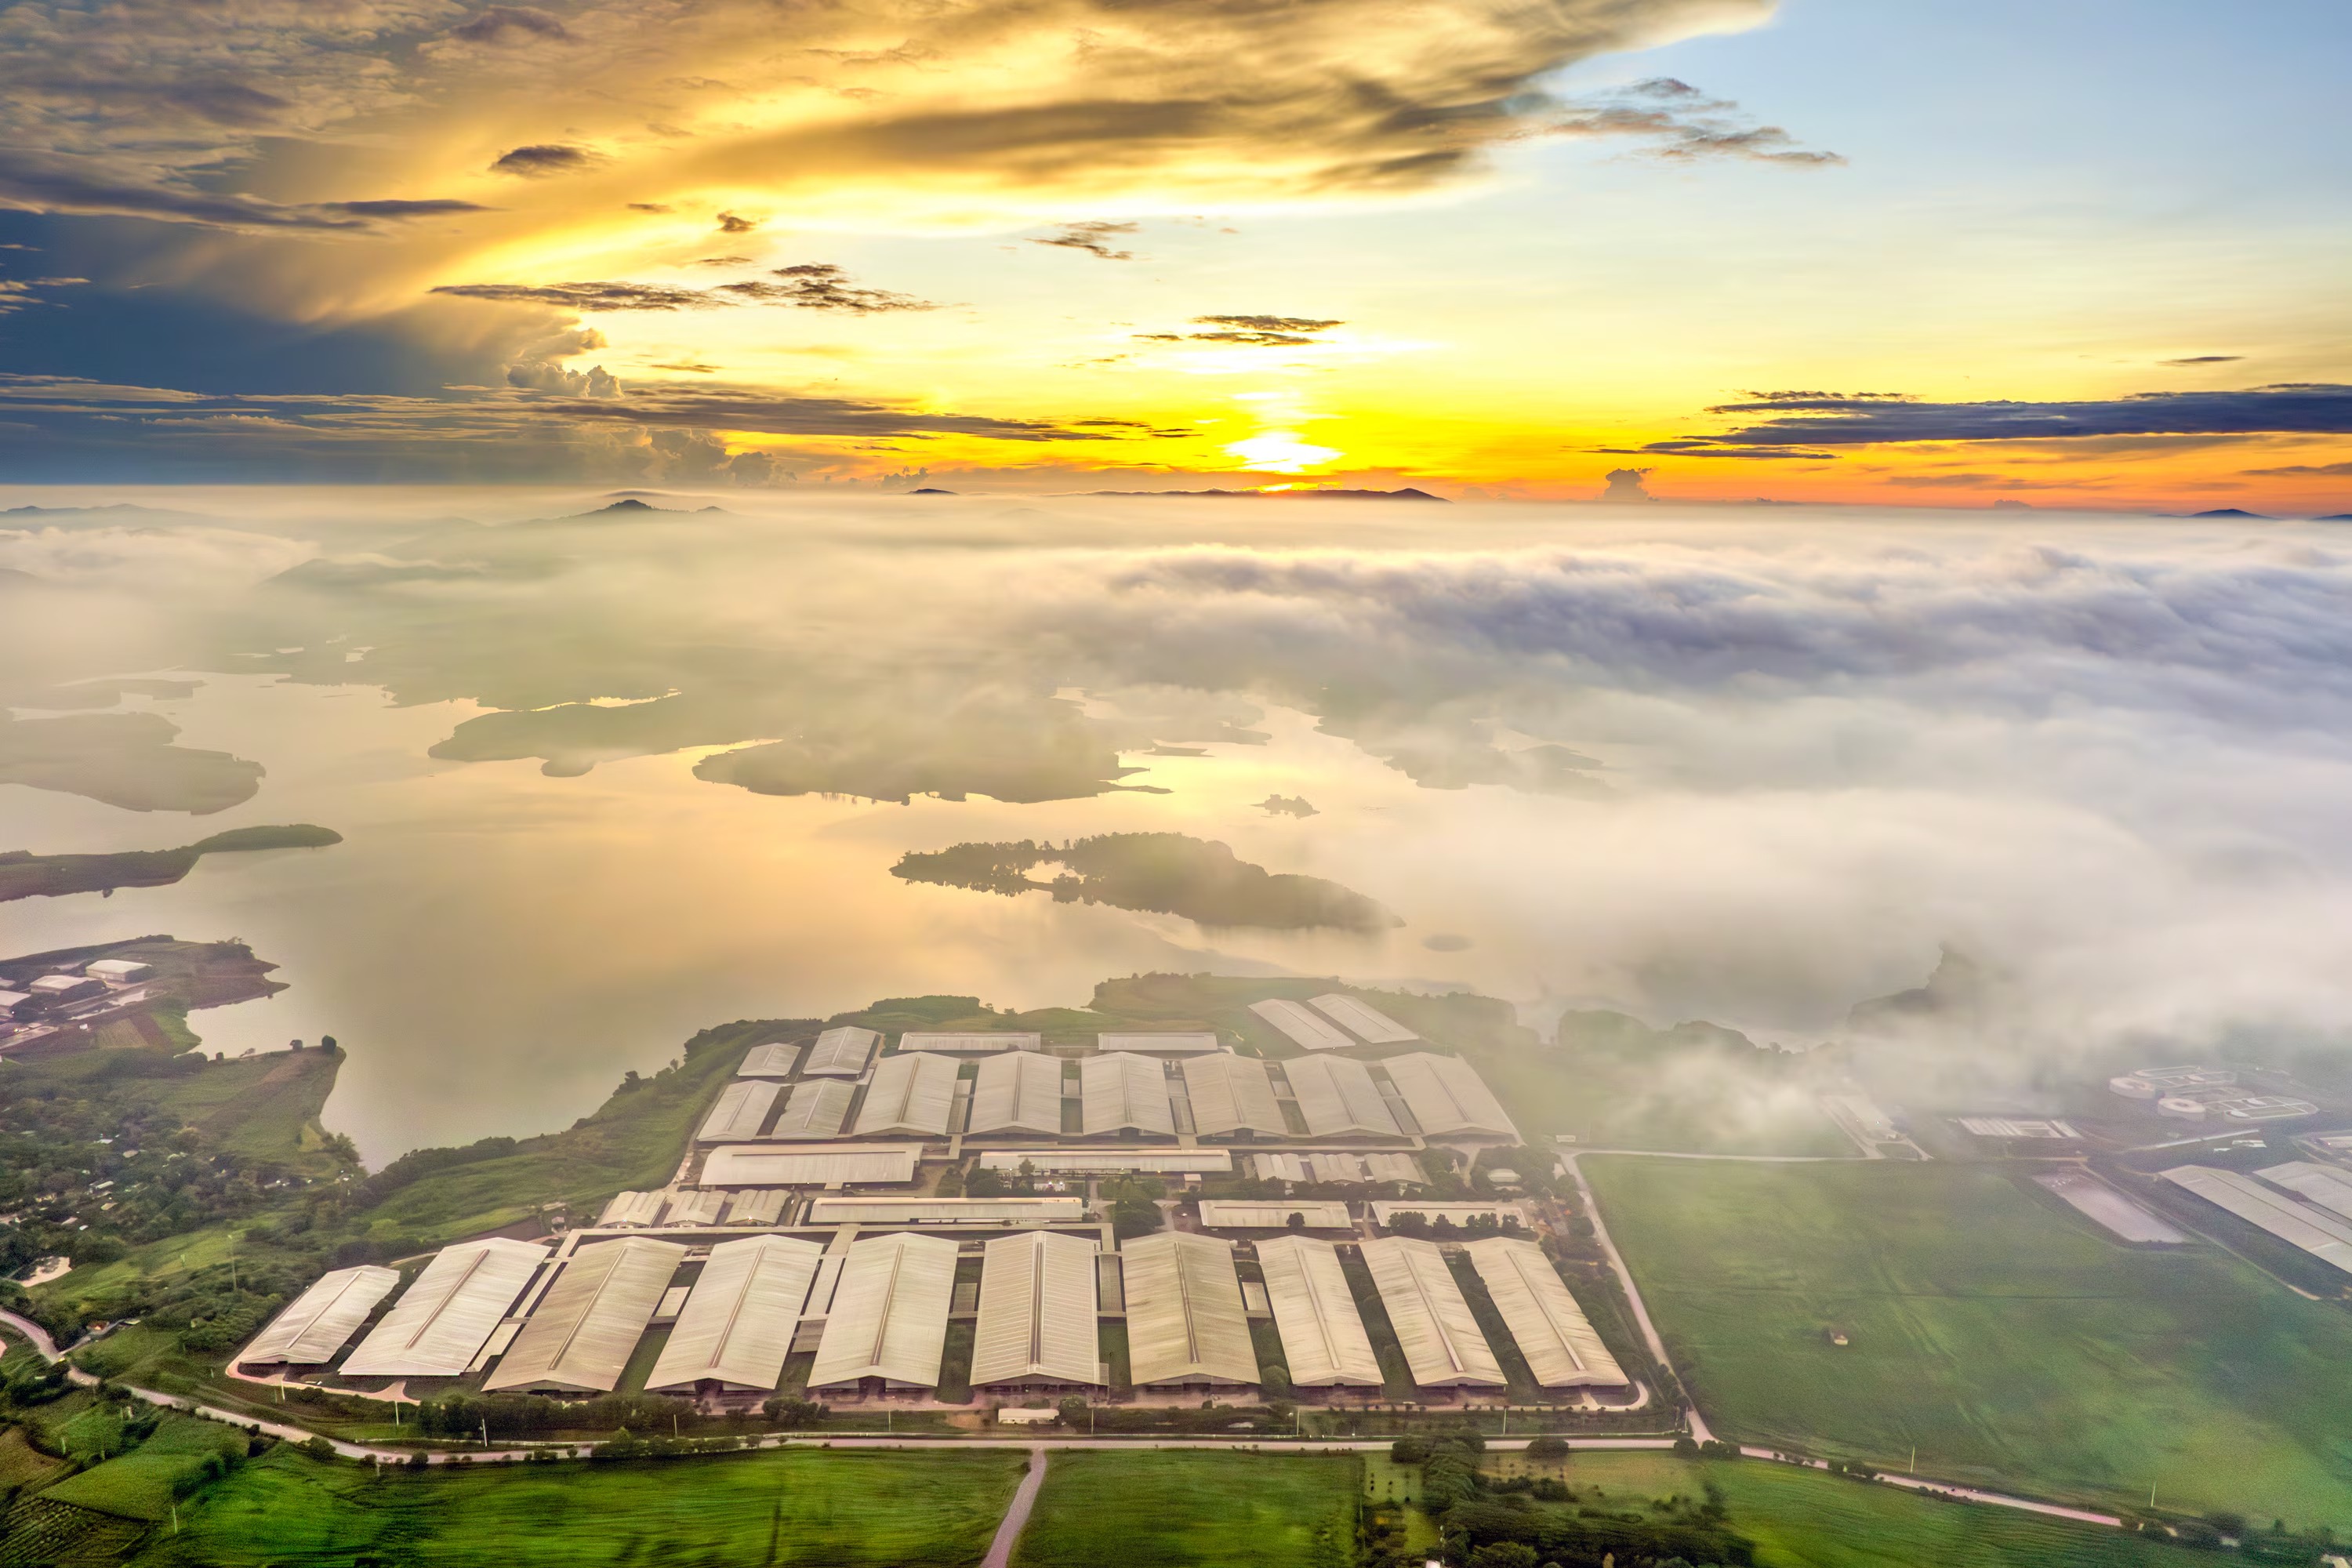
x: 2178, y: 1105
x: 2132, y: 1087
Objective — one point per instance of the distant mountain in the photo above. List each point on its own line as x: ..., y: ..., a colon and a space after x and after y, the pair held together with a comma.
x: 930, y: 490
x: 2235, y: 511
x: 1407, y: 494
x: 2335, y: 517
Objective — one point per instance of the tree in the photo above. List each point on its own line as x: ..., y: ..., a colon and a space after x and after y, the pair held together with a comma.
x: 319, y: 1448
x: 793, y: 1415
x: 1503, y: 1554
x: 1074, y: 1409
x: 1409, y: 1451
x: 985, y: 1184
x: 1275, y: 1381
x: 1296, y: 1221
x: 1547, y: 1450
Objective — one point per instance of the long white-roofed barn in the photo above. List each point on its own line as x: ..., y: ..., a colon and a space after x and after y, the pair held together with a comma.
x: 1231, y: 1094
x: 1123, y: 1093
x: 1337, y: 1099
x: 738, y: 1324
x: 1434, y: 1323
x: 448, y: 1313
x: 1448, y: 1098
x: 580, y: 1337
x: 1017, y: 1093
x: 911, y: 1093
x: 887, y: 1321
x: 1185, y: 1324
x: 1037, y: 1313
x: 322, y: 1318
x: 1323, y: 1335
x: 1562, y: 1348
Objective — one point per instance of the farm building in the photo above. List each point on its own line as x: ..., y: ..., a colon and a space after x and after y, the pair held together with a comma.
x: 1337, y: 1099
x: 1124, y: 1093
x: 694, y: 1208
x: 2314, y: 1230
x: 1305, y: 1028
x: 769, y: 1062
x: 1168, y: 1044
x: 1363, y: 1018
x: 1103, y: 1161
x: 447, y: 1314
x: 947, y: 1211
x: 631, y: 1209
x: 840, y: 1053
x: 1562, y: 1348
x: 969, y: 1043
x: 742, y: 1111
x: 1433, y: 1325
x: 1231, y: 1094
x: 739, y: 1322
x: 808, y: 1164
x: 322, y: 1318
x: 1236, y: 1214
x: 1185, y: 1325
x: 1036, y: 1327
x: 1374, y: 1167
x: 1018, y: 1092
x: 1385, y: 1212
x: 888, y: 1317
x: 911, y: 1093
x: 119, y: 971
x: 818, y: 1108
x: 59, y: 989
x: 756, y: 1207
x: 2330, y: 1189
x: 587, y: 1327
x: 1323, y: 1336
x: 1448, y: 1098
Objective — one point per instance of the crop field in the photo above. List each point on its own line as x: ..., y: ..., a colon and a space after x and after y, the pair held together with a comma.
x: 143, y: 1483
x: 799, y: 1506
x: 1174, y: 1509
x: 2013, y: 1345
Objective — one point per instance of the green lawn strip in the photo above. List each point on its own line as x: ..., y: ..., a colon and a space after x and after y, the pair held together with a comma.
x: 259, y: 1107
x: 173, y: 1462
x: 1112, y: 1340
x: 799, y: 1506
x: 1396, y: 1373
x: 1172, y: 1508
x: 1516, y: 1374
x: 641, y: 1360
x: 2015, y: 1349
x: 955, y: 1363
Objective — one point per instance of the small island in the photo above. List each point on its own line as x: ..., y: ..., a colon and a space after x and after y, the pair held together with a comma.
x: 1160, y: 873
x: 25, y: 874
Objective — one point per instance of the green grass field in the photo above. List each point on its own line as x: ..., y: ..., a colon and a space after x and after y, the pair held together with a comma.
x: 1175, y: 1509
x: 825, y: 1509
x: 2014, y: 1346
x: 143, y: 1483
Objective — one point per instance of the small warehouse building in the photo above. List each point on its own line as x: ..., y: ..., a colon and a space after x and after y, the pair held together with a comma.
x: 1434, y: 1323
x: 947, y: 1211
x: 631, y: 1209
x: 1169, y: 1044
x: 1037, y: 1314
x: 840, y: 1053
x: 320, y: 1322
x: 1186, y: 1327
x: 976, y: 1043
x: 810, y: 1165
x: 888, y: 1323
x: 1337, y: 1099
x: 1447, y: 1096
x: 1254, y: 1214
x: 1352, y: 1013
x: 769, y: 1062
x: 738, y: 1324
x: 1124, y: 1093
x: 119, y: 971
x: 1108, y: 1162
x: 1323, y: 1335
x: 588, y: 1324
x: 448, y: 1313
x: 756, y: 1207
x: 1304, y: 1027
x: 58, y: 990
x: 742, y: 1111
x: 1017, y: 1093
x: 910, y: 1095
x: 1562, y: 1348
x: 699, y: 1206
x: 817, y: 1108
x: 1232, y: 1095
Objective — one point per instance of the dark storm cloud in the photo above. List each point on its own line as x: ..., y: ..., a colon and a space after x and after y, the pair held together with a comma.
x: 776, y: 414
x: 540, y: 159
x: 511, y: 24
x: 1093, y: 239
x: 1701, y: 448
x: 821, y: 285
x: 587, y: 296
x: 2205, y: 359
x: 2315, y: 471
x: 1828, y: 418
x: 57, y: 182
x: 1255, y: 332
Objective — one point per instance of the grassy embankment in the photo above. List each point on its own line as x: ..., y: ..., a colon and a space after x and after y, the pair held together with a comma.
x: 2015, y: 1347
x: 836, y: 1510
x: 1175, y: 1509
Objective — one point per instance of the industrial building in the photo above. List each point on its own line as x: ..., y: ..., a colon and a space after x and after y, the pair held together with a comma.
x: 587, y: 1326
x: 1109, y: 1161
x: 1376, y: 1026
x: 1231, y: 1094
x: 2330, y: 1189
x: 1373, y: 1166
x: 631, y: 1209
x: 840, y: 1053
x: 737, y: 1323
x: 58, y: 990
x: 889, y: 1317
x: 2306, y: 1225
x: 1434, y: 1323
x: 119, y: 971
x: 910, y: 1094
x: 321, y: 1320
x: 697, y: 1206
x: 1123, y: 1093
x: 770, y: 1061
x: 1323, y: 1337
x: 1447, y: 1098
x: 740, y: 1112
x: 1561, y: 1347
x: 1171, y: 1044
x: 756, y: 1207
x: 947, y: 1211
x: 446, y: 1317
x: 1338, y: 1097
x: 1305, y: 1028
x: 819, y: 1108
x: 1017, y: 1093
x: 1185, y: 1324
x: 1037, y: 1307
x: 1234, y: 1213
x: 810, y: 1165
x: 970, y: 1044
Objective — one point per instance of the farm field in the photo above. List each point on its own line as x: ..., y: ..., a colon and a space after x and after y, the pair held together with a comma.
x: 790, y: 1506
x: 1174, y: 1509
x: 2014, y: 1346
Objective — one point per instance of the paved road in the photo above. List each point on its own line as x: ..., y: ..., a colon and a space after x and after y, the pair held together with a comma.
x: 1625, y: 1279
x: 1000, y: 1550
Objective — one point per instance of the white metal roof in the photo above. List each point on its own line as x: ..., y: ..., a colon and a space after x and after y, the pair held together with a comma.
x: 1122, y: 1092
x: 738, y: 1324
x: 587, y: 1326
x: 756, y: 1207
x: 769, y: 1062
x: 446, y: 1316
x: 1017, y: 1091
x: 808, y: 1164
x: 817, y: 1109
x: 910, y: 1093
x: 1446, y: 1096
x: 1432, y: 1318
x: 1172, y: 1042
x: 1364, y: 1019
x: 972, y: 1041
x: 1562, y: 1348
x: 1323, y: 1336
x: 840, y: 1053
x: 694, y: 1208
x: 631, y: 1209
x: 1302, y: 1024
x: 914, y: 1211
x: 1237, y: 1213
x: 1185, y: 1322
x: 2331, y: 1190
x: 1165, y: 1162
x: 2321, y: 1235
x: 1396, y: 1166
x: 1460, y: 1213
x: 742, y: 1111
x: 1231, y: 1094
x: 322, y: 1318
x: 1338, y: 1096
x: 889, y: 1312
x: 1037, y: 1312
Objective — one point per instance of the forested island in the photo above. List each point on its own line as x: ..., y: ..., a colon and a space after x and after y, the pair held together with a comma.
x: 1162, y: 873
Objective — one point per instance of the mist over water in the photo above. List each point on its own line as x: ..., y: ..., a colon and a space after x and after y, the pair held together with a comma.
x: 604, y: 781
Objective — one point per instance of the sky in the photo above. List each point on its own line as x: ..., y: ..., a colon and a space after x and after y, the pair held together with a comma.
x: 1937, y: 254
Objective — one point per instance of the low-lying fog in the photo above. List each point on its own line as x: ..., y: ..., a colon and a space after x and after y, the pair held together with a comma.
x: 605, y: 780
